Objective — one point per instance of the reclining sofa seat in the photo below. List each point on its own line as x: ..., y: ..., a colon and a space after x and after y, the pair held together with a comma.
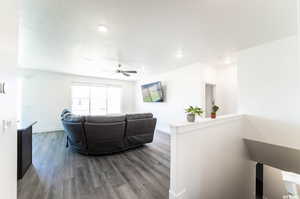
x: 105, y: 134
x: 99, y: 135
x: 139, y: 129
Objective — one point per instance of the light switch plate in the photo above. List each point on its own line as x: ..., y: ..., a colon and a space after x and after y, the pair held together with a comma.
x: 6, y: 124
x: 2, y: 87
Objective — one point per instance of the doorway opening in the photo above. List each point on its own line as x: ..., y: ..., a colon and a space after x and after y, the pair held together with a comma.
x: 210, y: 98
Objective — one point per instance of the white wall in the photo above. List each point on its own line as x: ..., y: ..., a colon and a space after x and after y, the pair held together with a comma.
x: 268, y: 80
x: 46, y: 94
x: 227, y: 89
x: 209, y: 160
x: 186, y: 86
x: 269, y: 84
x: 183, y: 87
x: 8, y: 64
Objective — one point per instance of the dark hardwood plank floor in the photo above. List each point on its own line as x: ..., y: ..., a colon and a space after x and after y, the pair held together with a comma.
x: 58, y: 173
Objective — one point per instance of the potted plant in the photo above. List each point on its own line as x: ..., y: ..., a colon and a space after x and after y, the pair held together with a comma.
x: 192, y: 112
x: 215, y: 108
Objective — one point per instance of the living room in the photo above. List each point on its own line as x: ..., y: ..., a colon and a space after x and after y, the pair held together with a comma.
x: 149, y: 99
x: 129, y: 97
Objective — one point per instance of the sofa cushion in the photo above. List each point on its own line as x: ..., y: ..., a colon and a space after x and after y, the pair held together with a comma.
x: 65, y: 111
x: 105, y: 119
x: 137, y: 116
x: 69, y: 117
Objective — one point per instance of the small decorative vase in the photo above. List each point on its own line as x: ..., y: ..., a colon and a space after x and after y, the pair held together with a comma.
x: 213, y: 115
x: 190, y: 117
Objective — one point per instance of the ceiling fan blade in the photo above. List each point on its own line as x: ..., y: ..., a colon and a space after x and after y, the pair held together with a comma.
x: 129, y: 71
x: 124, y: 73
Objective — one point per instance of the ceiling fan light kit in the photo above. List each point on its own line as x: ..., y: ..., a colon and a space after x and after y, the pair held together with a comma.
x: 126, y: 72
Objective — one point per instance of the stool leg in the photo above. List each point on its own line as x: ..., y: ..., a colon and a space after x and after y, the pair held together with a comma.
x: 259, y: 181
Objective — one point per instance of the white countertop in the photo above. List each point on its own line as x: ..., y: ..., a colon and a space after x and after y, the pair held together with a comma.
x: 183, y: 127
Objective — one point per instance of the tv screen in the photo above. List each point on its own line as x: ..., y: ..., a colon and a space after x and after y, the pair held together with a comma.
x: 152, y: 92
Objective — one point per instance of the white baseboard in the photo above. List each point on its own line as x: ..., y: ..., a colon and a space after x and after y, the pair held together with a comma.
x: 179, y: 195
x: 163, y: 132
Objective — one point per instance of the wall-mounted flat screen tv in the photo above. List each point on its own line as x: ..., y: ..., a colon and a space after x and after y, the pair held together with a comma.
x: 153, y: 92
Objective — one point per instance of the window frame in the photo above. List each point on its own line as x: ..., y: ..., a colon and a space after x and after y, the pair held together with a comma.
x: 90, y: 85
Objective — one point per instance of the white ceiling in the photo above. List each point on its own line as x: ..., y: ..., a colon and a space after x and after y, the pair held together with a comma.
x: 61, y: 35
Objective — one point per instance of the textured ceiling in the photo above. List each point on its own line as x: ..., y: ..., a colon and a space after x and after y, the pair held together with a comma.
x: 61, y: 35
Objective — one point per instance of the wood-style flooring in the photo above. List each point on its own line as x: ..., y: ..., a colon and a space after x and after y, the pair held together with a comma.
x: 58, y: 173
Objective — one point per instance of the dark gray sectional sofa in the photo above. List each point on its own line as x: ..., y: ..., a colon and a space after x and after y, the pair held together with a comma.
x: 99, y: 135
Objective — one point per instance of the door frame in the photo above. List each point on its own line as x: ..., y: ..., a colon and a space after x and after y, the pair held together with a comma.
x: 214, y: 95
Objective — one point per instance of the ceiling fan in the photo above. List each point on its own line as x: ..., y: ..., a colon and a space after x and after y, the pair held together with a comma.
x: 125, y: 72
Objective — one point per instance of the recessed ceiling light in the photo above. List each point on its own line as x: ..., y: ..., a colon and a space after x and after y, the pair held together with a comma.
x: 102, y: 28
x: 179, y: 54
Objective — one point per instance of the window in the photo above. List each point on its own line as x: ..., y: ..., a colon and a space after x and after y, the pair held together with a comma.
x: 96, y: 100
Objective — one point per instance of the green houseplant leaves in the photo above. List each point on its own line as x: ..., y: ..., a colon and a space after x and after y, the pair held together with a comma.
x: 194, y: 110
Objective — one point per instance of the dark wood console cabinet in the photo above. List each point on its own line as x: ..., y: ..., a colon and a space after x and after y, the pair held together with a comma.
x: 24, y: 148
